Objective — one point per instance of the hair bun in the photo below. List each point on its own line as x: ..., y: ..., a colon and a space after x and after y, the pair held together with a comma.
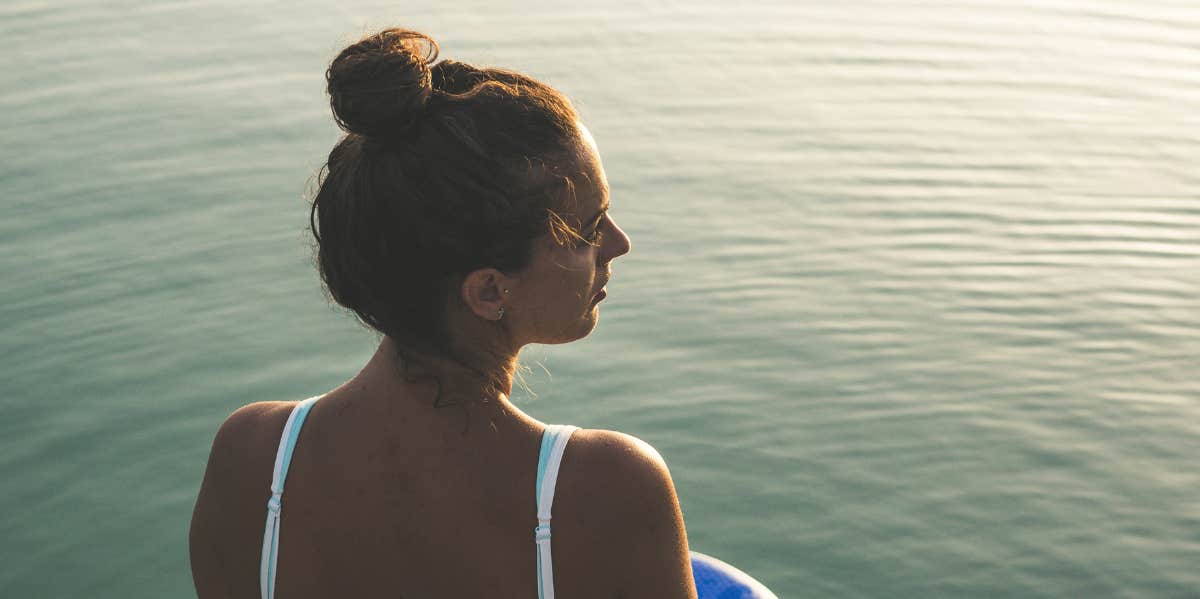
x: 379, y: 85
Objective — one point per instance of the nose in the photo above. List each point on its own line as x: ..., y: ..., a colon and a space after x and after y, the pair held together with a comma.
x: 619, y: 244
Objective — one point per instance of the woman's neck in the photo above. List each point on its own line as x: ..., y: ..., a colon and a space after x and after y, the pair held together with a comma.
x: 447, y: 394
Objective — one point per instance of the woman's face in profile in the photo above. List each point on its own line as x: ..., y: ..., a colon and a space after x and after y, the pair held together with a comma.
x: 560, y: 292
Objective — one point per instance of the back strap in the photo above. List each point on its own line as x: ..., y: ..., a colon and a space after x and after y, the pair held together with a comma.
x: 283, y: 459
x: 554, y: 442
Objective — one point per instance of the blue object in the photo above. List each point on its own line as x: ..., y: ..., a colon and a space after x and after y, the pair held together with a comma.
x: 716, y: 579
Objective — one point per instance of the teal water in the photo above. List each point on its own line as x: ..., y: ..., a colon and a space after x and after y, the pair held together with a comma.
x: 913, y: 308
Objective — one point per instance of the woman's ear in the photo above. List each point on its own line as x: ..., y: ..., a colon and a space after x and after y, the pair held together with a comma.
x: 484, y: 293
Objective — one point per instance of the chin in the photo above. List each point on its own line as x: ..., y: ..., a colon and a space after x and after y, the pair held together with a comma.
x: 583, y: 328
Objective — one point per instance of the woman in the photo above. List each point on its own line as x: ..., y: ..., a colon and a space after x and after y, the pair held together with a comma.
x: 462, y: 216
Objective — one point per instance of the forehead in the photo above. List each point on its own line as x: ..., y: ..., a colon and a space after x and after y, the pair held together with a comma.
x: 588, y: 180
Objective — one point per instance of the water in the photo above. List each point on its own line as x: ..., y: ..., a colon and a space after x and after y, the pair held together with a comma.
x: 912, y: 309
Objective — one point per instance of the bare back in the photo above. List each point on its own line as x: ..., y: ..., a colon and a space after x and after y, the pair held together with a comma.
x: 380, y: 499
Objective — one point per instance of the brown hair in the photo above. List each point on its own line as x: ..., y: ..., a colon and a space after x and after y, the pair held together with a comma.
x: 444, y: 169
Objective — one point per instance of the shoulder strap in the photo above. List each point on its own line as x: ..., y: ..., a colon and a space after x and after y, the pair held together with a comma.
x: 283, y: 459
x: 554, y: 442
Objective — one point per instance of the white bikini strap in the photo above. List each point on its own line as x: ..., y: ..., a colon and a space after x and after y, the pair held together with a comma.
x: 554, y: 442
x: 283, y: 459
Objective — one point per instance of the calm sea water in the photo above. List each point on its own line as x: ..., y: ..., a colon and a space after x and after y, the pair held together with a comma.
x: 913, y: 308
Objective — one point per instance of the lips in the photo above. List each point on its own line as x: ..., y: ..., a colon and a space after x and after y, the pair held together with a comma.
x: 601, y: 292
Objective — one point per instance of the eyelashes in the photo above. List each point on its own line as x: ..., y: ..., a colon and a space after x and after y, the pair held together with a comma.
x: 597, y: 233
x: 595, y: 236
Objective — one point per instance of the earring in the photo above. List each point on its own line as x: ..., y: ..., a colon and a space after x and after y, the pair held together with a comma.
x: 500, y: 310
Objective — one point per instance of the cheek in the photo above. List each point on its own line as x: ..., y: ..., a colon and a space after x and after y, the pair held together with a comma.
x: 577, y: 268
x: 581, y: 274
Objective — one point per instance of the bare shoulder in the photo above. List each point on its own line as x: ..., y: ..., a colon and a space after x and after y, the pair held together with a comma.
x: 232, y: 499
x: 625, y: 477
x: 248, y: 425
x: 613, y: 456
x: 627, y: 492
x: 243, y: 450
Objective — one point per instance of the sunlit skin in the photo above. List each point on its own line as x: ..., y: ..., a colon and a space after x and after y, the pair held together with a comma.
x: 551, y: 301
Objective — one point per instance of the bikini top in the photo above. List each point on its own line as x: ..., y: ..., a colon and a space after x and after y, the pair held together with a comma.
x: 554, y: 441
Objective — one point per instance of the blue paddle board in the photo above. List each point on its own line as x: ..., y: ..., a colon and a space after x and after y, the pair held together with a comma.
x: 716, y: 579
